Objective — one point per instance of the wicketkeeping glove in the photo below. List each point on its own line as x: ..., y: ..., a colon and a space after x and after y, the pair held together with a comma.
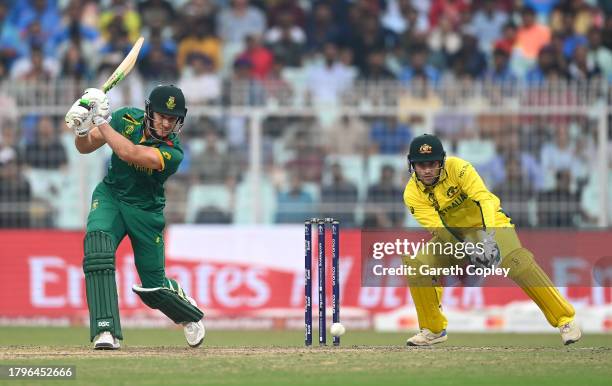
x: 490, y: 256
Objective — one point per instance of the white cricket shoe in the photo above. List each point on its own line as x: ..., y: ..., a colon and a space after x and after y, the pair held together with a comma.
x: 106, y: 341
x: 194, y: 331
x: 427, y: 338
x: 570, y: 333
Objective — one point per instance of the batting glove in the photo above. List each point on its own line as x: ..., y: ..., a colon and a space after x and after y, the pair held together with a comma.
x: 79, y: 119
x: 98, y: 102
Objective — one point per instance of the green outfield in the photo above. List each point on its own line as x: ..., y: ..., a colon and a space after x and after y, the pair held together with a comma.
x: 160, y: 357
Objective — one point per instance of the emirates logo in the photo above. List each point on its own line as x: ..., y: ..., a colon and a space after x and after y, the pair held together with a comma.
x: 425, y: 149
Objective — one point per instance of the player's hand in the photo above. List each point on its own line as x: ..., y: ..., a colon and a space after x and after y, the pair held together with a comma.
x: 79, y: 119
x: 98, y: 102
x: 490, y: 255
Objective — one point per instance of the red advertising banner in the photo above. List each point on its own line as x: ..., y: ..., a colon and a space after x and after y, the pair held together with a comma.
x: 41, y: 273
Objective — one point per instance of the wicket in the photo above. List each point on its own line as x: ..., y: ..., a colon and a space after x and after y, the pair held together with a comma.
x: 335, y: 244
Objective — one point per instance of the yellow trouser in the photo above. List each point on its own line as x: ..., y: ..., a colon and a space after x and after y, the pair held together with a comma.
x: 524, y: 271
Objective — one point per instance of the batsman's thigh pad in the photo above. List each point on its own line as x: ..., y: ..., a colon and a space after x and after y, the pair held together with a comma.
x: 526, y: 272
x: 170, y: 303
x: 99, y: 269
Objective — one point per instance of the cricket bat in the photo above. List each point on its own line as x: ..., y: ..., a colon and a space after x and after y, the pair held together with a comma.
x: 120, y: 72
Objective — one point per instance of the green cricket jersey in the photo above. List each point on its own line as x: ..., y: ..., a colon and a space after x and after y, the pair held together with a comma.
x: 133, y: 184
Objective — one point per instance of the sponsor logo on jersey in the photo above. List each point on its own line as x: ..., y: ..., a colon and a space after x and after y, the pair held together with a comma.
x: 129, y: 129
x: 457, y: 202
x: 94, y: 205
x: 452, y: 191
x: 166, y: 155
x: 425, y: 149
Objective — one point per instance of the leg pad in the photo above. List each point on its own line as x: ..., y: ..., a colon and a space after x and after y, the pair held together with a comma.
x: 170, y: 303
x: 99, y: 269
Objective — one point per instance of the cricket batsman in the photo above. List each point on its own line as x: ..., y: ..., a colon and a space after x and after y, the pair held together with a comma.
x: 449, y: 199
x: 130, y: 201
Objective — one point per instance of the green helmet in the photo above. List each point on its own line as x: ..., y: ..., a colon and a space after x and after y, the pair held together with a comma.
x: 425, y: 148
x: 167, y: 100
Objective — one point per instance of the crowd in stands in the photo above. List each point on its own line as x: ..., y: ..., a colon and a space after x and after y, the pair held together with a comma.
x: 223, y: 52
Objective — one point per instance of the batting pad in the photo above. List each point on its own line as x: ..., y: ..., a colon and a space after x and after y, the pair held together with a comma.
x: 99, y: 269
x: 168, y: 301
x: 526, y: 272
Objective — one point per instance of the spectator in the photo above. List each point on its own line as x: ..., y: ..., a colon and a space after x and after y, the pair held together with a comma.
x: 607, y: 32
x: 339, y: 198
x: 15, y: 193
x: 240, y: 20
x: 559, y: 207
x: 347, y: 136
x: 450, y: 9
x: 372, y: 37
x: 74, y: 31
x: 541, y: 8
x: 401, y: 17
x: 388, y: 136
x: 46, y: 152
x: 74, y: 65
x: 201, y: 84
x: 307, y: 160
x: 201, y: 41
x: 516, y: 191
x: 581, y: 68
x: 419, y: 68
x: 328, y: 80
x: 598, y: 53
x: 276, y: 87
x: 488, y: 24
x: 286, y: 40
x: 384, y: 203
x: 376, y: 68
x: 44, y: 14
x: 214, y: 164
x: 531, y: 36
x: 156, y: 13
x: 120, y: 13
x: 473, y: 61
x: 158, y: 63
x: 295, y: 204
x: 321, y: 28
x: 444, y: 42
x: 282, y: 9
x: 571, y: 39
x: 501, y: 71
x: 508, y: 38
x: 547, y: 67
x: 259, y: 56
x: 9, y: 38
x: 557, y: 155
x: 35, y: 68
x: 242, y: 88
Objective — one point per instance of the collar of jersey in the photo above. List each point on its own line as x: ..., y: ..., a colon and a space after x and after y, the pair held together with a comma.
x: 423, y: 187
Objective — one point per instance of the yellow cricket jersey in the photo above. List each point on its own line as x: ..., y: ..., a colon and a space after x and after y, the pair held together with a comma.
x: 458, y: 200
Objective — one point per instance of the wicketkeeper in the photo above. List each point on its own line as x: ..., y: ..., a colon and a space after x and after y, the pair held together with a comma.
x: 448, y: 198
x: 130, y: 201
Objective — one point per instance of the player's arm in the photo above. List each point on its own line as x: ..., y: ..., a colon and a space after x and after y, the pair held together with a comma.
x: 91, y: 142
x: 427, y: 215
x: 144, y: 156
x: 471, y: 183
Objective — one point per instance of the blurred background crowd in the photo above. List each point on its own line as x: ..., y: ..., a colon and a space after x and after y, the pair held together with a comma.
x: 328, y: 94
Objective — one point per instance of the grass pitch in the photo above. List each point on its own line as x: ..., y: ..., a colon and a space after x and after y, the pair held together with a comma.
x: 160, y: 357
